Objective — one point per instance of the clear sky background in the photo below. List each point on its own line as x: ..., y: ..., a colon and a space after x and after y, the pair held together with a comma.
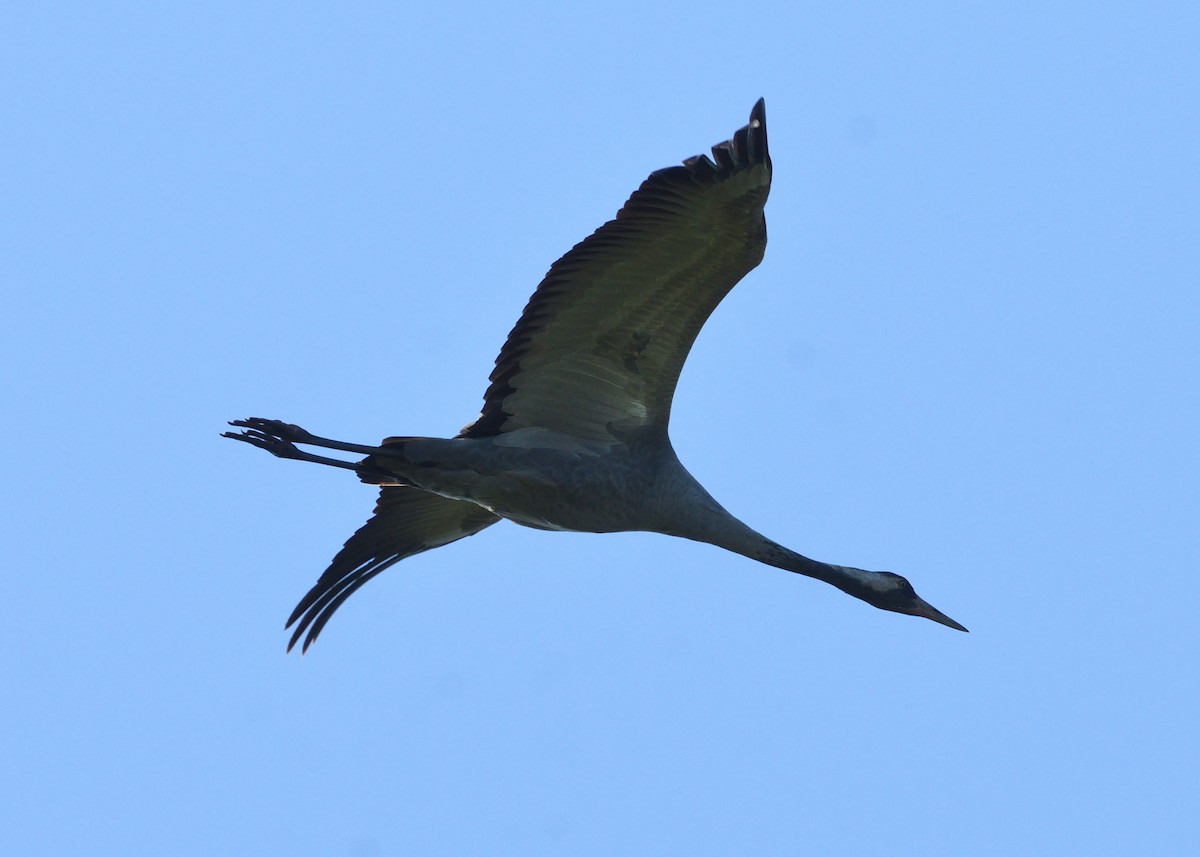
x: 970, y: 356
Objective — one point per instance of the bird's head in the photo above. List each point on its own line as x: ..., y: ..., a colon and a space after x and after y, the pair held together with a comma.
x: 889, y: 591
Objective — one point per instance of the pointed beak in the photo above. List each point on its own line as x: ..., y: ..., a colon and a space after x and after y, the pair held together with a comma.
x: 924, y: 608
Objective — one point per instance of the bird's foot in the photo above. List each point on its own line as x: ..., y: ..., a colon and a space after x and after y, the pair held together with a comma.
x: 275, y: 436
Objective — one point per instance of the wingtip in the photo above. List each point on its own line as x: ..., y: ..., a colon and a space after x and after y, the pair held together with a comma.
x: 295, y: 639
x: 757, y: 134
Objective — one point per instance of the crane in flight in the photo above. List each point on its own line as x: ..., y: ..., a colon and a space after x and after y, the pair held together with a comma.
x: 573, y: 431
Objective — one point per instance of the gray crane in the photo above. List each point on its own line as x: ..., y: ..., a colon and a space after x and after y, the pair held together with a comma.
x: 573, y: 431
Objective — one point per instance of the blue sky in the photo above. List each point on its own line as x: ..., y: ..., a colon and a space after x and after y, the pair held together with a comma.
x: 970, y: 356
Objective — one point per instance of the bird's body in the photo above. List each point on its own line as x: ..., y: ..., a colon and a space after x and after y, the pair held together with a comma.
x: 573, y: 432
x: 585, y: 488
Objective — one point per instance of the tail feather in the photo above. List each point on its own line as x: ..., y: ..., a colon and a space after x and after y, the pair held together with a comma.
x: 376, y: 469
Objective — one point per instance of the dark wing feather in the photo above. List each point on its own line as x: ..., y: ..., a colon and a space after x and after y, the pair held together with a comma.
x: 406, y: 521
x: 601, y: 343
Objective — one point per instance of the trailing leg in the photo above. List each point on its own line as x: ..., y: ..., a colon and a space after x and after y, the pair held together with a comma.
x: 280, y: 439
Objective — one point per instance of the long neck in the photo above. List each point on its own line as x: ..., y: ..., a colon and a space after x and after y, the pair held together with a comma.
x: 735, y: 536
x: 707, y: 521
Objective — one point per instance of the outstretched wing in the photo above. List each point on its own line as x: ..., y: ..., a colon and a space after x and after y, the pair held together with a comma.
x: 601, y: 343
x: 406, y: 521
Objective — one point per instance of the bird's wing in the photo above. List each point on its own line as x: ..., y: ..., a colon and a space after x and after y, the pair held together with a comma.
x: 600, y: 345
x: 406, y: 521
